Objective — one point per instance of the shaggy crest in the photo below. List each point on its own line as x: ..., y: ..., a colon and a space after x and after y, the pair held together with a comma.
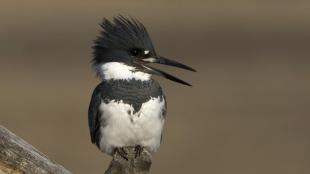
x: 119, y: 37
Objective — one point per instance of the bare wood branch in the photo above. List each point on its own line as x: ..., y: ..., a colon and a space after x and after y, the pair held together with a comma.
x: 139, y: 165
x: 17, y: 156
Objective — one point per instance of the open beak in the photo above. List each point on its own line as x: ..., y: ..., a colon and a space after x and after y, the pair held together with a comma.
x: 165, y: 61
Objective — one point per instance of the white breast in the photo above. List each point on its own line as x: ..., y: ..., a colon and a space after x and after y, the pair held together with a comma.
x: 122, y: 127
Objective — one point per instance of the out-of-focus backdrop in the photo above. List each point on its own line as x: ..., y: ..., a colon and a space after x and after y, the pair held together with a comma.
x: 248, y: 111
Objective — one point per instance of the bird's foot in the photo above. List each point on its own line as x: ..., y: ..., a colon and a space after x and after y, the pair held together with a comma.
x: 139, y: 150
x: 121, y: 151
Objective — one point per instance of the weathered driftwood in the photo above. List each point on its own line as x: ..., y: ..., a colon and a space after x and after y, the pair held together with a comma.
x: 17, y: 156
x: 131, y: 165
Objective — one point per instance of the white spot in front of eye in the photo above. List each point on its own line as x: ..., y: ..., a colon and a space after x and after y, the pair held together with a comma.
x: 146, y: 52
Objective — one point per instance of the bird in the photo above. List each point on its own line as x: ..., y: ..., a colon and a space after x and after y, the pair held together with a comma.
x: 128, y: 107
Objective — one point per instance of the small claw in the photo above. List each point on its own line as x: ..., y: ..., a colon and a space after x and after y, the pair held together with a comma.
x: 122, y: 153
x: 138, y: 150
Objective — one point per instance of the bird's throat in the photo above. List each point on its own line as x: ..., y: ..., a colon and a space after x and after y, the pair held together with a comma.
x: 120, y: 71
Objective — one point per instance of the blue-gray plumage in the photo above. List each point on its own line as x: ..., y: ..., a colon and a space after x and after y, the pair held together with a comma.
x: 134, y: 93
x: 128, y: 107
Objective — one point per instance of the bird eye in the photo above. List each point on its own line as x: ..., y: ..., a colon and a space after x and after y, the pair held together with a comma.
x: 135, y: 52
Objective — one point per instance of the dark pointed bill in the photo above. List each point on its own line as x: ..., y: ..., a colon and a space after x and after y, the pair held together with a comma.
x: 165, y: 61
x: 156, y: 71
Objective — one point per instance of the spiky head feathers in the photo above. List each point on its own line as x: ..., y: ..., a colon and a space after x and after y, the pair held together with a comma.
x: 119, y: 38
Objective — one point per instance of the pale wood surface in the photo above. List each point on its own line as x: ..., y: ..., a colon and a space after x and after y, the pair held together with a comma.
x: 18, y: 156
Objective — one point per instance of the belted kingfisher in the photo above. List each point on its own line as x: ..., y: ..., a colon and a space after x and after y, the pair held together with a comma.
x: 128, y: 107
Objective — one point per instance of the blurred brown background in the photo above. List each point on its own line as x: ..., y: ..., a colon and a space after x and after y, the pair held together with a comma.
x: 248, y: 112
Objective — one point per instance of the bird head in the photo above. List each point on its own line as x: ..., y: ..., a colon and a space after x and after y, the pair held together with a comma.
x: 124, y: 50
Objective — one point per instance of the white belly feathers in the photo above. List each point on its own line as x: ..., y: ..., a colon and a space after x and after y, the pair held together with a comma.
x: 121, y: 126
